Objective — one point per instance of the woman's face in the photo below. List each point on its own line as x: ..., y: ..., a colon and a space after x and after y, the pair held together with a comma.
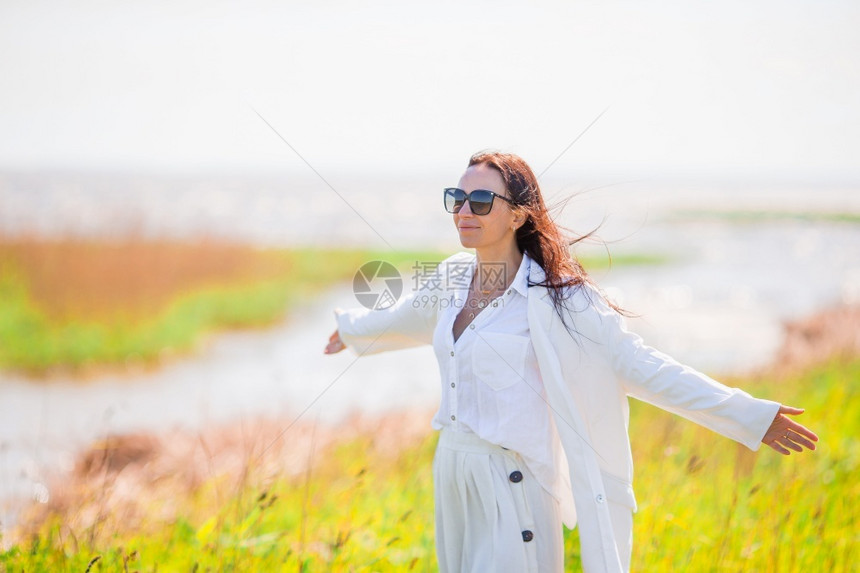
x: 494, y: 228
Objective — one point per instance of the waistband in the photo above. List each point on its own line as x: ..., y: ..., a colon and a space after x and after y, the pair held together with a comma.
x: 469, y: 442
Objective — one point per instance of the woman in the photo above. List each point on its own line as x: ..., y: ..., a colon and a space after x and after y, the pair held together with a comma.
x: 536, y: 368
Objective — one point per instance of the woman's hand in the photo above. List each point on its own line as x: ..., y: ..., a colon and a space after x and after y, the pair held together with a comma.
x: 786, y: 433
x: 335, y: 344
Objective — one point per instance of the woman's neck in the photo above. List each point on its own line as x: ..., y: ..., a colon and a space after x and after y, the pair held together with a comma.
x: 495, y: 269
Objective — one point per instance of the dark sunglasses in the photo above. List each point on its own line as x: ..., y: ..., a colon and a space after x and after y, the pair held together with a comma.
x: 480, y: 200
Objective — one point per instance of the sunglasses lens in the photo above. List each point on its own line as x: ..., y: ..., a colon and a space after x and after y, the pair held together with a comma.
x: 480, y: 201
x: 454, y: 199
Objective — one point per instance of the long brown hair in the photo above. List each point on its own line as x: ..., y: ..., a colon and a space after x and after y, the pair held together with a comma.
x: 540, y: 236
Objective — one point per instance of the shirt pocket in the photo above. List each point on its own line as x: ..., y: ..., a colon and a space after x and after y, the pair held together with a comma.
x: 498, y: 359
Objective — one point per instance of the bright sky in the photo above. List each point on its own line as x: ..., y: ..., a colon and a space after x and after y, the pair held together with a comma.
x: 733, y: 86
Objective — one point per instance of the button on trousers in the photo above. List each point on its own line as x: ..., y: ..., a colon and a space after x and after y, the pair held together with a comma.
x: 491, y: 513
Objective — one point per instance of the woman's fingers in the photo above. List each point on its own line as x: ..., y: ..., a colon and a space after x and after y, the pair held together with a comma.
x: 790, y: 410
x: 802, y: 435
x: 775, y: 445
x: 799, y: 439
x: 792, y: 437
x: 335, y: 344
x: 788, y: 443
x: 799, y: 433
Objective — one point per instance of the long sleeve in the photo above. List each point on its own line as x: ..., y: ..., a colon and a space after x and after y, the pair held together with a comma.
x: 409, y: 322
x: 654, y: 377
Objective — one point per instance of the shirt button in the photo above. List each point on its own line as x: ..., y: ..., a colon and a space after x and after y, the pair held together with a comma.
x: 452, y: 384
x: 516, y: 476
x: 509, y: 291
x: 452, y: 353
x: 599, y: 498
x: 528, y: 535
x: 472, y: 326
x: 495, y: 304
x: 453, y: 417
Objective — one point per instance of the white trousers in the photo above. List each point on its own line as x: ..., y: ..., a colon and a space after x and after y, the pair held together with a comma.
x: 491, y: 513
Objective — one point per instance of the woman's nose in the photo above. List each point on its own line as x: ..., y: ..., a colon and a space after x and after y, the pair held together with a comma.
x: 466, y: 209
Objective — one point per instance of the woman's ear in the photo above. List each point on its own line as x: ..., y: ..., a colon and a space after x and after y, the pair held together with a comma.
x: 519, y: 221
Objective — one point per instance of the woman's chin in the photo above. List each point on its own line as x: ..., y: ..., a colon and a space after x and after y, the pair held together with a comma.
x: 467, y: 242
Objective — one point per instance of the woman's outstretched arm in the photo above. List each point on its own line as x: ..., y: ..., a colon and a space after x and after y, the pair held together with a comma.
x: 408, y: 323
x: 654, y: 377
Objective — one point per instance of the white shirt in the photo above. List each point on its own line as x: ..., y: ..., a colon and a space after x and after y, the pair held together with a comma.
x: 491, y: 383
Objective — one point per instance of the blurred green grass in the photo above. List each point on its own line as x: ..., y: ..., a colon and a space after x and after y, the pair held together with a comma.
x: 706, y: 504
